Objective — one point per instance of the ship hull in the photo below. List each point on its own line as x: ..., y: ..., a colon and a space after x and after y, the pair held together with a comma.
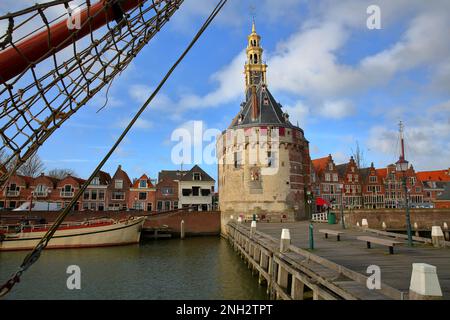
x: 117, y: 234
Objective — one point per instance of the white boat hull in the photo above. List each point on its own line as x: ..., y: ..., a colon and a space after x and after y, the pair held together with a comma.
x: 119, y: 233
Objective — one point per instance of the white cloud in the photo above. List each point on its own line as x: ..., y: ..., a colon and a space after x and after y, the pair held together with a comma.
x: 337, y: 109
x: 298, y: 113
x: 141, y: 124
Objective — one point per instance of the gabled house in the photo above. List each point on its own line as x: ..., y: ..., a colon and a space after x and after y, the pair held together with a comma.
x: 167, y: 196
x: 326, y: 183
x: 372, y: 188
x: 196, y: 189
x: 142, y: 195
x: 44, y: 188
x: 67, y: 188
x: 119, y: 191
x: 350, y: 176
x: 16, y: 191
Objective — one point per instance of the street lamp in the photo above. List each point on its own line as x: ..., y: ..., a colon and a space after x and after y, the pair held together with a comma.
x: 308, y: 195
x: 402, y: 166
x: 341, y: 186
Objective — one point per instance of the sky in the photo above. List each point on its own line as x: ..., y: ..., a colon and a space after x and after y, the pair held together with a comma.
x: 341, y: 81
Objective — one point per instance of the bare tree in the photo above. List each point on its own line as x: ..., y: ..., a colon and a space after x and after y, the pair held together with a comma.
x: 32, y: 167
x: 358, y: 155
x: 61, y: 173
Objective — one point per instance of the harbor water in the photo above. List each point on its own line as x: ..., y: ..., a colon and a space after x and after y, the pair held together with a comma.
x: 192, y: 269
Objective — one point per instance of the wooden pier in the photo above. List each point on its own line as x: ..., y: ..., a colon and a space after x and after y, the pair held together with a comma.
x: 334, y: 270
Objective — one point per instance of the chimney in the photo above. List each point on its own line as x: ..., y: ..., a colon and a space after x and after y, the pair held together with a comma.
x: 120, y: 167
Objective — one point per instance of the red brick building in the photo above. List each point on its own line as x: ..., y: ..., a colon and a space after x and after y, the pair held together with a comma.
x: 67, y: 188
x: 95, y: 196
x: 434, y: 183
x: 373, y: 191
x: 325, y: 180
x: 118, y: 191
x: 350, y: 177
x: 167, y: 197
x: 16, y: 191
x: 142, y: 195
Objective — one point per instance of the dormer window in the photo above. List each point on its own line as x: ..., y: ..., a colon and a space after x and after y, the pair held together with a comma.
x: 197, y: 176
x: 95, y: 181
x: 330, y: 166
x: 142, y: 184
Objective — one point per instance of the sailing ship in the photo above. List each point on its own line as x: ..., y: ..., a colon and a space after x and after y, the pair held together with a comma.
x: 85, y: 234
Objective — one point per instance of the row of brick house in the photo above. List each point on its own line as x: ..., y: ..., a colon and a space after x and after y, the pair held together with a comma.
x: 375, y: 188
x: 173, y: 190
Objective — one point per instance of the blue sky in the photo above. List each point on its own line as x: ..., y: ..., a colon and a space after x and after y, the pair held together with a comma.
x: 341, y: 81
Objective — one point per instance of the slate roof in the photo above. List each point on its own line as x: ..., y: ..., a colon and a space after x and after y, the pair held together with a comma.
x: 171, y: 175
x: 270, y: 111
x: 189, y: 176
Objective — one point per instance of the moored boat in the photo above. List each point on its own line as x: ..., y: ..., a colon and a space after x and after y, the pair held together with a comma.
x: 90, y: 233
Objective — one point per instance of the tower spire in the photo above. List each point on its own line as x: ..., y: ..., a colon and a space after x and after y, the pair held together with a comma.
x: 255, y: 68
x: 402, y: 140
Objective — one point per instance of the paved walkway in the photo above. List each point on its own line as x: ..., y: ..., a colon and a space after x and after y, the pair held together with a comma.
x: 395, y: 269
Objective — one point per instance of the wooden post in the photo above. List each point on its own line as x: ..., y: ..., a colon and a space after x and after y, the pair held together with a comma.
x: 298, y: 288
x: 282, y: 278
x: 182, y: 234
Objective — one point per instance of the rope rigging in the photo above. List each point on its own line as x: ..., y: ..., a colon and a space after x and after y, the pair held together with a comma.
x: 34, y: 255
x: 84, y: 48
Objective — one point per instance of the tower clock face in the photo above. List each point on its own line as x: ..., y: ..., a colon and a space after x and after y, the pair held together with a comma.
x: 255, y: 77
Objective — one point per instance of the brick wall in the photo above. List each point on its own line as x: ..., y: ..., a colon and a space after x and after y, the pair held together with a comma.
x: 195, y: 223
x: 396, y: 218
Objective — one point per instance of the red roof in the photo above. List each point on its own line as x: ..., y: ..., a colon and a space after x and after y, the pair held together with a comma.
x: 144, y: 177
x: 439, y: 175
x: 382, y: 173
x: 320, y: 164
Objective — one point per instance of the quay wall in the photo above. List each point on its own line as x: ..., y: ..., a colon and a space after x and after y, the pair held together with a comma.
x: 195, y: 223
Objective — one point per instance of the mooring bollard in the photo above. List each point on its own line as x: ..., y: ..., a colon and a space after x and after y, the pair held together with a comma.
x: 365, y: 224
x: 231, y: 217
x: 240, y: 220
x: 253, y: 228
x: 416, y: 228
x: 384, y: 226
x: 285, y: 241
x: 424, y: 283
x: 311, y: 236
x: 437, y: 236
x: 446, y: 233
x: 357, y: 224
x: 182, y: 234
